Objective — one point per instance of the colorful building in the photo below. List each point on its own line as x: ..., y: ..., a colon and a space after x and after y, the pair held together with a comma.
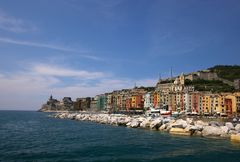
x: 147, y: 100
x: 101, y: 102
x: 156, y: 99
x: 137, y: 101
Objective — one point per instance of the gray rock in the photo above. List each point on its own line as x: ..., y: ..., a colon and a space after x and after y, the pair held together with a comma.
x: 214, y: 123
x: 225, y: 135
x: 155, y: 124
x: 200, y: 122
x: 229, y: 125
x: 237, y: 127
x: 134, y: 123
x: 122, y: 121
x: 114, y: 121
x: 189, y: 121
x: 199, y: 127
x: 181, y: 122
x: 197, y: 133
x: 145, y: 124
x: 164, y: 126
x: 194, y: 128
x: 225, y: 129
x: 233, y: 132
x: 212, y: 131
x: 166, y: 120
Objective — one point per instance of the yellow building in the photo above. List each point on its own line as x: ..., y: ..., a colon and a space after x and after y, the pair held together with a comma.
x: 220, y: 103
x: 206, y: 103
x: 134, y: 104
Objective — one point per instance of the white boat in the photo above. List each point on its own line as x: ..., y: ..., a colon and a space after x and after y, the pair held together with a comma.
x: 165, y: 112
x: 154, y: 110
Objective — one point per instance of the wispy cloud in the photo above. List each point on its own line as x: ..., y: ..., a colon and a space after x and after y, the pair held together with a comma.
x: 49, y: 70
x: 16, y: 25
x: 82, y: 53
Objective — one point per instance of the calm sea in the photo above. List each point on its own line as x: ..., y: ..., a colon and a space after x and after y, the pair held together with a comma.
x: 32, y: 136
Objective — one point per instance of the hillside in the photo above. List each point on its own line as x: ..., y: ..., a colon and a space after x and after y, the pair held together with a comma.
x: 210, y: 85
x: 227, y: 71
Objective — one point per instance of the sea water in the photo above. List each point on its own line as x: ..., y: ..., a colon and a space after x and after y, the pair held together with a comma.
x: 33, y: 136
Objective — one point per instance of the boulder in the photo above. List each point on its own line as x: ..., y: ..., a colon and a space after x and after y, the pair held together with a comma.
x: 214, y: 123
x: 198, y: 133
x: 229, y: 125
x: 225, y: 135
x: 199, y: 127
x: 235, y: 137
x: 145, y: 124
x: 156, y: 123
x: 212, y: 131
x: 134, y: 123
x: 233, y: 132
x: 179, y: 131
x: 192, y: 129
x: 163, y: 127
x: 113, y: 121
x: 225, y: 129
x: 195, y: 128
x: 237, y: 127
x: 128, y: 124
x: 170, y: 124
x: 189, y: 121
x: 141, y: 119
x: 167, y: 120
x: 200, y: 122
x: 122, y: 121
x: 180, y: 123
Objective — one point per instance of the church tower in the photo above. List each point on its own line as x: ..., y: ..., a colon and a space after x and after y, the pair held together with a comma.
x: 182, y: 79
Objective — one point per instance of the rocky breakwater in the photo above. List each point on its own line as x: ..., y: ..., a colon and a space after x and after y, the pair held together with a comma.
x: 189, y: 126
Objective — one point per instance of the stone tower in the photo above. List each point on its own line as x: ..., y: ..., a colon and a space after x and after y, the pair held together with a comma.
x: 182, y: 79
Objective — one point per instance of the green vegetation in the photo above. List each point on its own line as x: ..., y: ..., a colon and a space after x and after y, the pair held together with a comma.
x: 147, y: 88
x: 167, y: 81
x: 227, y: 71
x: 209, y: 85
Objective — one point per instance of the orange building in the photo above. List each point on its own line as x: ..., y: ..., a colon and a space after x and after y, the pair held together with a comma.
x: 156, y: 100
x: 137, y: 101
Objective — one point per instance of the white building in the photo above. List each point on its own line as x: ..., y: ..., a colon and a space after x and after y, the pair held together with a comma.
x: 147, y: 100
x: 187, y: 102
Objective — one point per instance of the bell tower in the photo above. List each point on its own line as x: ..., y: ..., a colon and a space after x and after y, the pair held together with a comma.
x: 182, y: 79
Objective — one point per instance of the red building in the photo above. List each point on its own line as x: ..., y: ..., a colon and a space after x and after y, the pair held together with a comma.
x: 195, y: 102
x: 228, y: 104
x: 137, y: 101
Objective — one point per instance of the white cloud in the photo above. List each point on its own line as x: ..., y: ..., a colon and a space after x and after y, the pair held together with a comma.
x: 30, y: 88
x: 49, y: 70
x: 12, y: 24
x: 49, y: 46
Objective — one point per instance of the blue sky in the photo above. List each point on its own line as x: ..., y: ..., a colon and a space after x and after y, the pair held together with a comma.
x: 85, y: 47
